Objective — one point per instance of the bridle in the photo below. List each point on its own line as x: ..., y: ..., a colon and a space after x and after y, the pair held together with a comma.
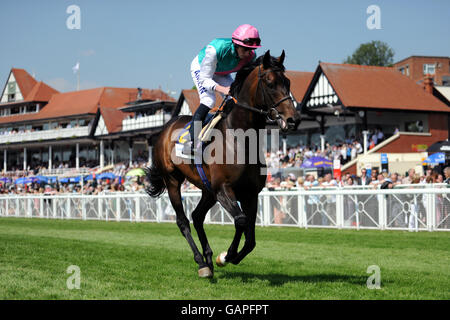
x: 271, y: 113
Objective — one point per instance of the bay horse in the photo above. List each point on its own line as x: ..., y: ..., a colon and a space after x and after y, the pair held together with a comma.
x: 262, y: 91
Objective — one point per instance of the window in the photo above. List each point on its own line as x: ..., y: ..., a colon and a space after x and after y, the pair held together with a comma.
x: 11, y: 97
x: 407, y: 70
x: 31, y: 108
x: 429, y: 68
x: 414, y: 126
x: 402, y: 70
x: 11, y: 87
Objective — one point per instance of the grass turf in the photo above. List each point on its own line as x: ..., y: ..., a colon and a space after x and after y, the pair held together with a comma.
x: 153, y: 261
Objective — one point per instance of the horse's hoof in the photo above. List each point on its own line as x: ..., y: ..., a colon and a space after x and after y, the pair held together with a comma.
x: 220, y: 260
x: 205, y: 272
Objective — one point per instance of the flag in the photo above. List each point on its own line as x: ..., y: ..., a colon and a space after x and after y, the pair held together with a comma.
x: 76, y: 67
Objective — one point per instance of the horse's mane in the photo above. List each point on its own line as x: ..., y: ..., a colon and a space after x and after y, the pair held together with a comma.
x: 243, y: 73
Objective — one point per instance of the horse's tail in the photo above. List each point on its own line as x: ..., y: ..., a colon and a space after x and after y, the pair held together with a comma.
x: 155, y: 177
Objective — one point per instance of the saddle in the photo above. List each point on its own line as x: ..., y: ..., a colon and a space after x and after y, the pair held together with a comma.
x: 210, y: 122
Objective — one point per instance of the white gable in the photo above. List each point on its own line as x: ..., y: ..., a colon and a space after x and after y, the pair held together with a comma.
x: 101, y: 127
x: 323, y: 94
x: 185, y: 111
x: 11, y: 88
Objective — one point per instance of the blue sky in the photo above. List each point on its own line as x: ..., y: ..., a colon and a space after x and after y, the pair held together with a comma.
x: 150, y: 44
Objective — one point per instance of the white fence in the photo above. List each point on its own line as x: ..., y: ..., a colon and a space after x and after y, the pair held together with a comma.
x: 395, y: 209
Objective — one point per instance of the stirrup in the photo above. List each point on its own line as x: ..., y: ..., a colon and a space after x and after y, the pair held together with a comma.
x: 188, y: 148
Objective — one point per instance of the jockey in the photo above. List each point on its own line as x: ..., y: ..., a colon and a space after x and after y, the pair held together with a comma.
x: 211, y: 70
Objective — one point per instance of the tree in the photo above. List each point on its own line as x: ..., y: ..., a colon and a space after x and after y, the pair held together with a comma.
x: 375, y: 53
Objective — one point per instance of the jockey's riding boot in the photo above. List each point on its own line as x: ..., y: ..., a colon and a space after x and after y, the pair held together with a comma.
x: 199, y: 115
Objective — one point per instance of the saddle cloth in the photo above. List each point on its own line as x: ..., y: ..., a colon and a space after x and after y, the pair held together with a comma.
x: 204, y: 136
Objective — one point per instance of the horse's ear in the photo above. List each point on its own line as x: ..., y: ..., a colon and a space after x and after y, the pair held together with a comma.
x: 266, y: 60
x: 281, y: 58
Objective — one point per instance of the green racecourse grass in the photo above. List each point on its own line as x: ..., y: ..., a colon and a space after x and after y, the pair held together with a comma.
x: 153, y: 261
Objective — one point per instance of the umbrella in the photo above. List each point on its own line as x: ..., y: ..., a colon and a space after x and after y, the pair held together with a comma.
x: 25, y: 180
x: 107, y: 175
x: 316, y: 162
x: 440, y: 146
x: 51, y: 179
x: 435, y: 158
x: 40, y: 179
x: 70, y: 180
x: 89, y: 178
x: 138, y: 172
x: 5, y: 180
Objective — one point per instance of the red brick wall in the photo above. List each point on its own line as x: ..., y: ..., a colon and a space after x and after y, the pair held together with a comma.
x: 416, y: 67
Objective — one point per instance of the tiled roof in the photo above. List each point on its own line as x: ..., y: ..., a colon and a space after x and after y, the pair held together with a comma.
x: 299, y: 82
x: 87, y: 102
x: 379, y: 87
x: 31, y: 89
x: 41, y: 92
x: 24, y: 80
x: 113, y: 118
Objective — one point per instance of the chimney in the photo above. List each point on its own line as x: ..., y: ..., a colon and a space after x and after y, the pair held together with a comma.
x: 139, y: 94
x: 428, y: 83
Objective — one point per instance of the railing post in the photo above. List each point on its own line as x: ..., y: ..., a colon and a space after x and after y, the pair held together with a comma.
x: 118, y: 209
x: 30, y: 207
x: 138, y: 209
x: 100, y: 207
x: 68, y: 214
x: 301, y: 210
x: 41, y: 206
x: 83, y: 207
x: 266, y: 211
x: 54, y: 207
x: 431, y: 211
x: 381, y: 211
x: 339, y: 211
x: 159, y: 210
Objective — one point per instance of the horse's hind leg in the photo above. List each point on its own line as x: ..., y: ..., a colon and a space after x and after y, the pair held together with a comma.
x: 198, y: 217
x: 173, y: 188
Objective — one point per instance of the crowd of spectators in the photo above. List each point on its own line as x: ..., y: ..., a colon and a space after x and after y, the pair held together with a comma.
x: 278, y: 164
x: 90, y: 186
x: 374, y: 180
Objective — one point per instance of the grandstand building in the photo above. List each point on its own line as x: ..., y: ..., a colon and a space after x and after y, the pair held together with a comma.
x: 41, y: 127
x: 343, y: 102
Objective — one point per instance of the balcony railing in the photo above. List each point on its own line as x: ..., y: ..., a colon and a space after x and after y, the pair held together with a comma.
x: 45, y: 135
x: 153, y: 121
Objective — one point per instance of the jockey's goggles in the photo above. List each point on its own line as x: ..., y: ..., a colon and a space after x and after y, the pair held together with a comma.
x: 250, y: 41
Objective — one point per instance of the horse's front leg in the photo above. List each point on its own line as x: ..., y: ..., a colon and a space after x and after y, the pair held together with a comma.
x: 250, y: 207
x: 227, y: 199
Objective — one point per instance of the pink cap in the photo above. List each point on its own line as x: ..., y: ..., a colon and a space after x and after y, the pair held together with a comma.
x: 247, y: 36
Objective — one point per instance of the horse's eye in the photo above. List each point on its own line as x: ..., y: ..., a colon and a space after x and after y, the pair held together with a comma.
x: 270, y: 84
x: 270, y: 81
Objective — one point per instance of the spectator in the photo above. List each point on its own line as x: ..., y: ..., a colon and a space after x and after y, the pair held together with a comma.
x: 364, y: 180
x: 410, y: 177
x: 447, y: 175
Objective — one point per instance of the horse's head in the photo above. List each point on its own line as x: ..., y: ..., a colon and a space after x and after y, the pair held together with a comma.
x: 273, y: 92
